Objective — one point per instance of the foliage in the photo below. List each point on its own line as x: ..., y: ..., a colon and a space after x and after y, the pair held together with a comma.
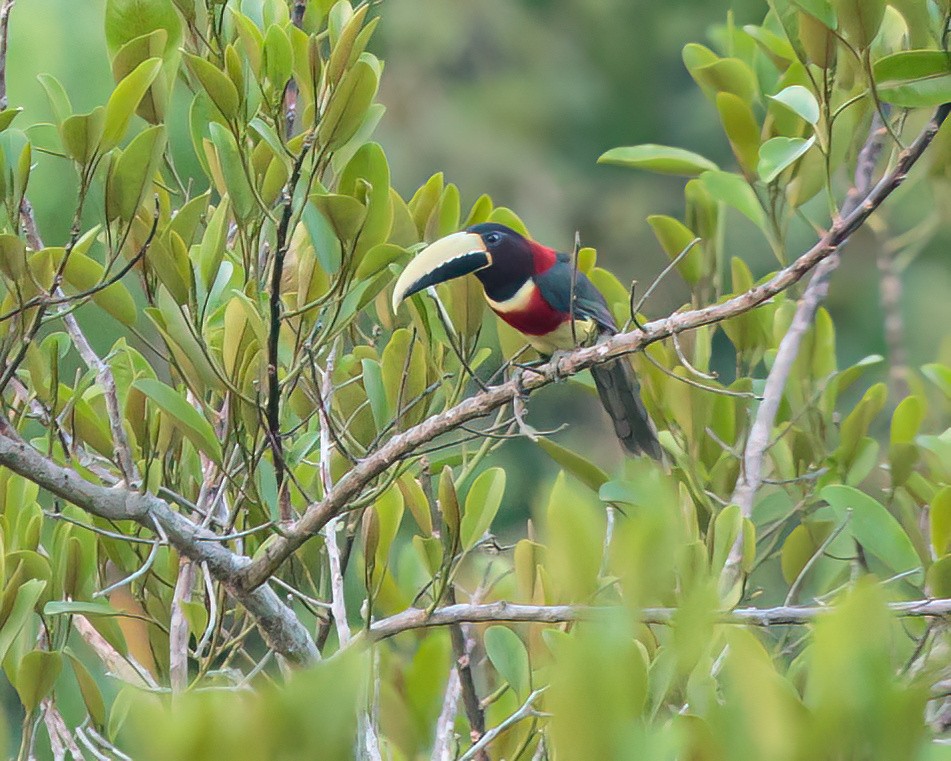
x: 259, y: 372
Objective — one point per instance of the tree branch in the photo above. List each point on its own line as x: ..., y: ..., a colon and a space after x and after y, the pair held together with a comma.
x: 504, y: 612
x: 404, y: 444
x: 280, y: 627
x: 757, y: 443
x: 5, y: 8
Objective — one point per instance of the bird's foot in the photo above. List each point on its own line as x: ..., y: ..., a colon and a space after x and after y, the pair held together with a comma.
x: 554, y: 361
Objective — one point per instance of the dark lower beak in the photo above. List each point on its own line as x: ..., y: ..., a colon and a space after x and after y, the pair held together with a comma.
x: 448, y: 258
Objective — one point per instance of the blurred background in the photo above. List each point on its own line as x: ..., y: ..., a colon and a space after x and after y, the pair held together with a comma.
x: 518, y: 98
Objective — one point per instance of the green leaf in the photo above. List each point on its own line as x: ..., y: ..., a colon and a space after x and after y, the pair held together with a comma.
x: 509, y: 657
x: 187, y: 419
x: 128, y: 19
x: 941, y: 521
x: 741, y: 129
x: 131, y: 176
x: 20, y: 612
x: 658, y: 158
x: 125, y: 100
x: 939, y: 577
x: 12, y: 256
x: 278, y: 56
x: 734, y: 191
x: 914, y: 78
x: 233, y: 172
x: 940, y: 375
x: 821, y: 10
x: 674, y: 236
x: 92, y: 696
x: 349, y: 104
x: 59, y: 100
x: 860, y: 19
x: 448, y: 503
x: 800, y: 101
x: 779, y: 153
x: 377, y: 259
x: 907, y: 419
x: 873, y: 527
x: 801, y: 545
x: 345, y: 214
x: 580, y: 467
x: 216, y: 83
x: 82, y: 134
x: 79, y: 608
x: 36, y: 675
x: 482, y: 503
x: 84, y: 273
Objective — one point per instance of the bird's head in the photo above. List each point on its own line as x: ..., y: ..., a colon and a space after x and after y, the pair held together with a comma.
x: 500, y: 257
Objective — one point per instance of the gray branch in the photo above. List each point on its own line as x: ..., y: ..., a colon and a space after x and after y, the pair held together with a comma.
x: 280, y: 627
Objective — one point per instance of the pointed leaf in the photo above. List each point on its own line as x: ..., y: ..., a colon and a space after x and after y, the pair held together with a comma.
x: 189, y: 421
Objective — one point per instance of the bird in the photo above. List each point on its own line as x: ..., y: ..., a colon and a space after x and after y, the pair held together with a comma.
x: 529, y: 286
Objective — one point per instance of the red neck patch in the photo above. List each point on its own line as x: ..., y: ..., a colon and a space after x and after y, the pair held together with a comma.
x: 543, y: 257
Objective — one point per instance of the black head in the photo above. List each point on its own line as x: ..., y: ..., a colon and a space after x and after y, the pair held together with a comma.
x: 512, y: 256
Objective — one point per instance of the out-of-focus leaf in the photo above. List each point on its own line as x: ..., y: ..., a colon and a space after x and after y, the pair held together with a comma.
x: 27, y: 595
x: 941, y: 521
x: 860, y: 19
x: 92, y: 696
x: 482, y: 503
x: 579, y: 466
x: 36, y: 675
x: 939, y: 577
x: 873, y: 527
x: 741, y: 129
x: 914, y: 78
x: 658, y: 158
x: 801, y: 545
x: 508, y: 655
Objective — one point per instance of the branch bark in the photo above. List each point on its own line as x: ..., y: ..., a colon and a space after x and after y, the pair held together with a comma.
x: 503, y: 612
x: 280, y: 627
x: 401, y: 446
x: 757, y: 443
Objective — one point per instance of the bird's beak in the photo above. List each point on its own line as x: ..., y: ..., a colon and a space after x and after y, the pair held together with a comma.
x: 448, y: 258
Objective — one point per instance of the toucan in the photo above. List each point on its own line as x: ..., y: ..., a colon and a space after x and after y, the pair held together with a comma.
x: 529, y: 286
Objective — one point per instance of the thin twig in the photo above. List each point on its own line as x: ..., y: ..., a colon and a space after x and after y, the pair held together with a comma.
x: 178, y: 630
x: 505, y: 612
x: 5, y: 9
x: 526, y: 710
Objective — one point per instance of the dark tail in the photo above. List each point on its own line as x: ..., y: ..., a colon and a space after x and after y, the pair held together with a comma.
x: 620, y: 395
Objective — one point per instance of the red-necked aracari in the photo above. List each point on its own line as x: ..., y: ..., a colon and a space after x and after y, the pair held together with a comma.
x: 529, y: 286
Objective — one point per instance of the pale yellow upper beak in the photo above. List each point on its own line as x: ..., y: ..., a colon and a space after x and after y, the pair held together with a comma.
x: 448, y: 258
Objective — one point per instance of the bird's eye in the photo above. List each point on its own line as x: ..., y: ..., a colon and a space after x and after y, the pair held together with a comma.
x: 492, y: 239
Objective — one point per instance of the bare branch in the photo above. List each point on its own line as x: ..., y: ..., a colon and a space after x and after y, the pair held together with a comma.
x: 525, y: 711
x: 757, y: 443
x: 504, y: 612
x: 404, y: 444
x: 5, y: 9
x: 281, y: 628
x: 178, y: 632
